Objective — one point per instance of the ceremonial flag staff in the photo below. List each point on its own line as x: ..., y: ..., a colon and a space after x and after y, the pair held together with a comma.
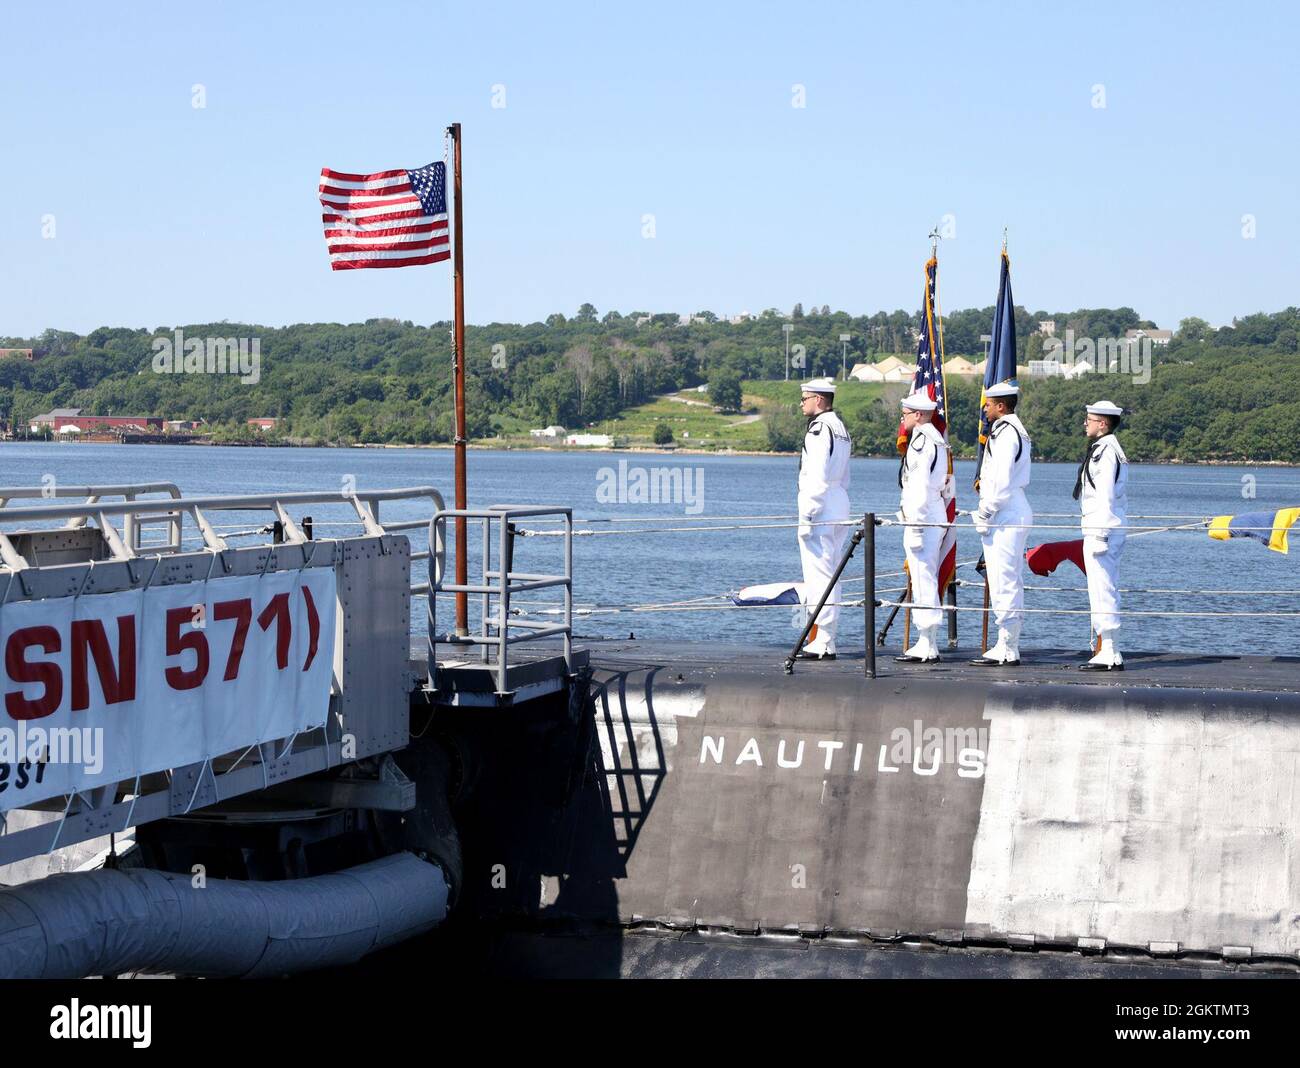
x: 458, y: 381
x: 398, y: 218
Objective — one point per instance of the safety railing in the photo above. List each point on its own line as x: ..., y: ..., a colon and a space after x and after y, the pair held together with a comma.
x: 132, y: 529
x: 135, y: 513
x: 501, y: 583
x: 875, y: 597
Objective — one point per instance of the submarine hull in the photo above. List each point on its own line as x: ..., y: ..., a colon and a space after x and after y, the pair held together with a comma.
x: 698, y: 792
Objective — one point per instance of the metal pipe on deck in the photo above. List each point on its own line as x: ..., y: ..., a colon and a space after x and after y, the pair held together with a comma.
x: 112, y: 922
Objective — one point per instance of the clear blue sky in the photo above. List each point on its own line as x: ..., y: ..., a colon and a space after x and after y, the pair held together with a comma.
x: 165, y: 213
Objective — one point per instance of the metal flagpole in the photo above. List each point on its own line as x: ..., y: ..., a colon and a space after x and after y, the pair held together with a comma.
x: 458, y: 375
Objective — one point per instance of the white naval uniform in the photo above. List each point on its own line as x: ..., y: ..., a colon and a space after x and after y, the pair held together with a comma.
x: 1104, y: 504
x: 1004, y: 511
x: 823, y: 498
x: 922, y: 474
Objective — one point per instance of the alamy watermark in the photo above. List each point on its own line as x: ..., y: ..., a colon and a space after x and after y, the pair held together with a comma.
x: 654, y: 485
x: 24, y: 751
x: 177, y: 355
x: 1103, y: 355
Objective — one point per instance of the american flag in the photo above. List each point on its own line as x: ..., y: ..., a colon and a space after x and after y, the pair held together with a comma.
x: 387, y: 219
x: 929, y: 377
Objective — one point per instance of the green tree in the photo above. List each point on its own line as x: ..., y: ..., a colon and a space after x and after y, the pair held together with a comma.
x: 724, y: 390
x: 1193, y: 329
x: 785, y: 429
x: 663, y: 434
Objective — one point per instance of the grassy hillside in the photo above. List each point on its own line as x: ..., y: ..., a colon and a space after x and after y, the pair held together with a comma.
x: 696, y: 425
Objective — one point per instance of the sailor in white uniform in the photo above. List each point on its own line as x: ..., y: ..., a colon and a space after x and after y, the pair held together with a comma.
x: 922, y: 473
x: 1003, y: 519
x: 823, y: 500
x: 1102, y: 492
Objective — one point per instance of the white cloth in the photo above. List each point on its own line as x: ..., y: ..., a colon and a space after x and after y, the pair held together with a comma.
x: 820, y: 549
x: 1104, y: 500
x: 1104, y: 506
x: 824, y: 469
x: 1101, y: 563
x: 823, y: 499
x: 922, y: 474
x: 1004, y: 516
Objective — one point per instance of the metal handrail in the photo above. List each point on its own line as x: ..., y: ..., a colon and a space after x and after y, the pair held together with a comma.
x: 93, y: 494
x: 507, y: 582
x: 364, y: 502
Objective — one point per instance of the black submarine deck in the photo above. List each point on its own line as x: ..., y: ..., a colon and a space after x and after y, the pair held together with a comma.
x: 1055, y: 667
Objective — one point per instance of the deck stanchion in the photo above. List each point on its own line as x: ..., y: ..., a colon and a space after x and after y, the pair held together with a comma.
x: 984, y: 627
x: 869, y: 598
x: 952, y: 616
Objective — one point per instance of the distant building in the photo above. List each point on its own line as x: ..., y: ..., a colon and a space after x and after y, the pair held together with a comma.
x: 641, y: 320
x: 39, y: 422
x: 1047, y: 327
x: 1157, y: 337
x: 890, y: 369
x: 890, y: 363
x: 70, y: 420
x: 263, y: 423
x: 866, y: 372
x: 552, y: 431
x: 1056, y: 369
x: 17, y: 354
x: 110, y: 422
x: 181, y: 425
x: 959, y: 365
x: 597, y: 440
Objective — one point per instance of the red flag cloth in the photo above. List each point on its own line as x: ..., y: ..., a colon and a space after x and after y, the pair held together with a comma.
x: 1046, y: 558
x: 394, y: 218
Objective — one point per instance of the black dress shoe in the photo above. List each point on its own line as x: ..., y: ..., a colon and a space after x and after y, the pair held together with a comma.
x: 804, y: 655
x: 984, y: 661
x: 1090, y: 666
x: 905, y: 659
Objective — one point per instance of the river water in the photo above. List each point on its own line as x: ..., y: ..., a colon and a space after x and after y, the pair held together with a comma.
x: 663, y: 566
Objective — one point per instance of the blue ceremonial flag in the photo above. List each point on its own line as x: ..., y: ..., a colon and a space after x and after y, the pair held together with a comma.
x: 1001, y: 365
x: 1268, y: 528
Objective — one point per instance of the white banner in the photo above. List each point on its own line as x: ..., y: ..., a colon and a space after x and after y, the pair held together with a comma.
x: 109, y: 686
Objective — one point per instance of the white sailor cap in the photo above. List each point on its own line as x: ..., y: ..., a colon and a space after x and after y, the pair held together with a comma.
x: 818, y: 385
x: 1105, y: 407
x: 1002, y: 389
x: 920, y: 401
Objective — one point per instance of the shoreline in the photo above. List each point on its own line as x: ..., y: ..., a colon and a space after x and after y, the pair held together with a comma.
x: 643, y: 450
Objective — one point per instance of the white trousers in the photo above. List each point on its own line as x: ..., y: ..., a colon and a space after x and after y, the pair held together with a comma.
x: 1103, y: 582
x: 922, y: 546
x: 820, y: 548
x: 1004, y: 559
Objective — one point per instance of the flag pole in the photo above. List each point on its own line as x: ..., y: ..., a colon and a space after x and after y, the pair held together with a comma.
x: 458, y: 377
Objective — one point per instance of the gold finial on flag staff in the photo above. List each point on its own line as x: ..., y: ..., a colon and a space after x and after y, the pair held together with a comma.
x: 1004, y: 240
x: 934, y: 242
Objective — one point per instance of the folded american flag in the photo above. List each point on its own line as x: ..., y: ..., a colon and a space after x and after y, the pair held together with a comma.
x: 387, y: 219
